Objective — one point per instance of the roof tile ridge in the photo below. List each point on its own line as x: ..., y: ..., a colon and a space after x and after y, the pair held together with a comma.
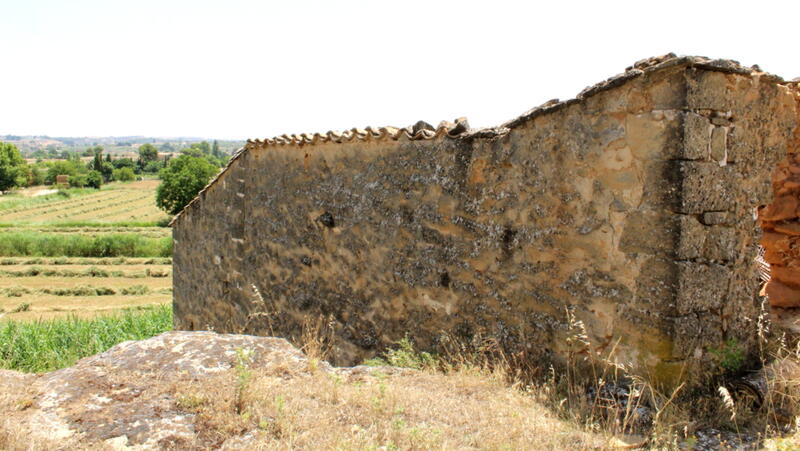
x: 638, y: 69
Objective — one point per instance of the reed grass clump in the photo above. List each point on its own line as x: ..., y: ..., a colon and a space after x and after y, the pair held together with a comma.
x: 52, y: 344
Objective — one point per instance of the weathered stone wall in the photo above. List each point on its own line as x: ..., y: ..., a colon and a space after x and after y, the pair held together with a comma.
x: 631, y: 206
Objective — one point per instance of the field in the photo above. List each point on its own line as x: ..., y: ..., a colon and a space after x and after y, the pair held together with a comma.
x: 48, y: 345
x: 83, y: 252
x: 122, y: 204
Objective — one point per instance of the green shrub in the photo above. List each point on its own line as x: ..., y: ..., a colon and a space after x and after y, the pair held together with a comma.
x: 730, y: 356
x: 78, y: 181
x: 404, y: 356
x: 94, y: 179
x: 124, y: 174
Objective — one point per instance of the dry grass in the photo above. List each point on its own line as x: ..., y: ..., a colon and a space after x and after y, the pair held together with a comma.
x: 40, y: 283
x: 314, y: 409
x: 51, y: 297
x: 42, y: 307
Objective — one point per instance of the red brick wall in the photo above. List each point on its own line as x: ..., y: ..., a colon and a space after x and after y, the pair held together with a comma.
x: 781, y: 223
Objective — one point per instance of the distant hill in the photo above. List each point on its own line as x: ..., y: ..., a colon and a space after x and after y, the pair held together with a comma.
x: 44, y: 146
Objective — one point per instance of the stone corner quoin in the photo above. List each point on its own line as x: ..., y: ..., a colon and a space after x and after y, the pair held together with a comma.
x: 631, y: 207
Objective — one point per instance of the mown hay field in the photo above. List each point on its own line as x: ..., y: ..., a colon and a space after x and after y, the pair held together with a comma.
x: 117, y: 203
x: 83, y: 252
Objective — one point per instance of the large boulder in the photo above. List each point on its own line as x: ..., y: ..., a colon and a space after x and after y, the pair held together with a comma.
x: 126, y: 397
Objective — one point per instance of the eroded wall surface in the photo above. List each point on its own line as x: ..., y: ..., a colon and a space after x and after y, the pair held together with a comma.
x: 632, y: 208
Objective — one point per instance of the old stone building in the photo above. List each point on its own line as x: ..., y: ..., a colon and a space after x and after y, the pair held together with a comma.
x: 630, y: 208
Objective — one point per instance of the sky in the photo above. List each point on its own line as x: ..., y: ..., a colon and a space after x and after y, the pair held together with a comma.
x: 238, y: 69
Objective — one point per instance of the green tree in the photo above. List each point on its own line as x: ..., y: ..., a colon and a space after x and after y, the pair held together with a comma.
x: 94, y: 179
x: 120, y: 163
x: 203, y: 146
x: 37, y: 175
x: 193, y: 152
x: 107, y: 170
x: 125, y: 174
x: 79, y: 181
x: 13, y: 169
x: 97, y: 163
x: 92, y: 151
x: 153, y: 167
x: 181, y: 180
x: 147, y: 153
x: 70, y: 168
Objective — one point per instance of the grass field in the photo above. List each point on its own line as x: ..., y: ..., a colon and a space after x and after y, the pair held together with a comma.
x: 132, y: 202
x: 83, y: 252
x: 51, y: 344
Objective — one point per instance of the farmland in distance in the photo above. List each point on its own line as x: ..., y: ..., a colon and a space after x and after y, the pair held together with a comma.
x: 83, y: 252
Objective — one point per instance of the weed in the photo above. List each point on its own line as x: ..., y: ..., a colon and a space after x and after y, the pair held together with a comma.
x: 730, y: 356
x: 244, y: 357
x: 404, y: 356
x: 316, y: 340
x: 190, y: 402
x: 262, y: 310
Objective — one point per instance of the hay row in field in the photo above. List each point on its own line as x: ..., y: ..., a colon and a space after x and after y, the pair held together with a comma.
x: 93, y: 211
x: 89, y: 272
x: 108, y: 208
x: 93, y: 228
x: 85, y: 261
x: 84, y: 290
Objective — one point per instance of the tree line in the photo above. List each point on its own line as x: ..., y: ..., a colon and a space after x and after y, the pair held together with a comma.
x: 182, y: 177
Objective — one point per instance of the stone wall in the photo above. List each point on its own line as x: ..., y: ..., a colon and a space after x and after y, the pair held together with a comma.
x: 631, y: 207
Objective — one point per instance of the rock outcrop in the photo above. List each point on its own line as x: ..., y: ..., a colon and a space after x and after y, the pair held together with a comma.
x: 125, y: 398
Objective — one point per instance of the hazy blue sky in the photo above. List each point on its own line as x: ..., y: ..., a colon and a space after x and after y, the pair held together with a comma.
x: 247, y: 69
